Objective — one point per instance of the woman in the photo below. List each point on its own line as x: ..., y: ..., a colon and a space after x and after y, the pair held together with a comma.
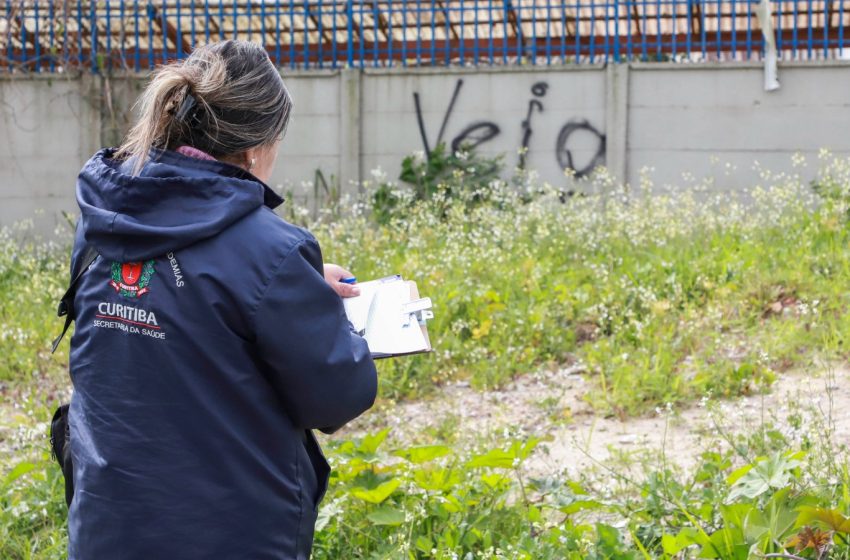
x: 210, y: 341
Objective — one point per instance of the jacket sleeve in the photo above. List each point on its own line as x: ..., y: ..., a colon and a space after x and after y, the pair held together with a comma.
x: 322, y: 370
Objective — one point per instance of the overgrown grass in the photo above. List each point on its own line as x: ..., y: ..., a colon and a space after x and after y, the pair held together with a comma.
x: 33, y: 276
x: 662, y: 298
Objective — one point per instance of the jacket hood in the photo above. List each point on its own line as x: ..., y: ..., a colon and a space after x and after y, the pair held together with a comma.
x: 173, y: 202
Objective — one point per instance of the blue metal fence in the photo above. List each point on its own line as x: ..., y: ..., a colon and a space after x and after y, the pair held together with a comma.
x: 38, y: 35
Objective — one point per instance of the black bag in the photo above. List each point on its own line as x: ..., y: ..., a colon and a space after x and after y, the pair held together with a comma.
x: 60, y: 429
x: 60, y: 436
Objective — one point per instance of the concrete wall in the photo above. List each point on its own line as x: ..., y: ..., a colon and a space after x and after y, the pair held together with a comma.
x: 704, y: 121
x: 716, y: 123
x: 47, y: 129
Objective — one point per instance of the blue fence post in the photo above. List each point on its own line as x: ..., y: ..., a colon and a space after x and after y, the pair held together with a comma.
x: 37, y: 42
x: 389, y: 34
x: 629, y: 42
x: 79, y: 34
x: 433, y: 34
x: 361, y: 38
x: 51, y: 15
x: 520, y: 40
x: 688, y: 42
x: 221, y: 20
x: 292, y: 34
x: 607, y: 36
x: 719, y: 34
x: 151, y: 15
x: 235, y: 19
x: 505, y: 38
x: 448, y: 34
x: 263, y: 25
x: 476, y: 35
x: 277, y: 32
x: 107, y: 57
x: 93, y: 37
x: 734, y: 17
x: 193, y: 34
x: 673, y: 42
x: 578, y: 31
x: 137, y: 56
x: 490, y: 47
x: 460, y: 50
x: 23, y: 39
x: 306, y: 45
x: 349, y: 16
x: 592, y: 34
x: 65, y: 54
x: 375, y: 15
x: 178, y: 35
x: 825, y: 29
x: 658, y: 44
x: 162, y: 30
x: 121, y: 14
x: 563, y: 10
x: 404, y: 33
x: 418, y: 32
x: 794, y: 36
x: 250, y: 17
x: 617, y: 30
x: 9, y: 52
x: 533, y: 33
x: 644, y: 46
x: 321, y: 39
x: 809, y: 35
x: 335, y: 35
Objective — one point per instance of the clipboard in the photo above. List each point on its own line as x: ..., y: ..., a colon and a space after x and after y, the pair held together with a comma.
x: 384, y: 312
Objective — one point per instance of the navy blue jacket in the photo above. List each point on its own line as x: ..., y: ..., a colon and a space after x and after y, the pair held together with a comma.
x: 207, y: 346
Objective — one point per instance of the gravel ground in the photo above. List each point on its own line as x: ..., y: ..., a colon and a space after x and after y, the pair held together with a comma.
x: 550, y: 405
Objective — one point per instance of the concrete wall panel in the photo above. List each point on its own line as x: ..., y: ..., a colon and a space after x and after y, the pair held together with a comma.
x: 716, y: 121
x: 688, y: 122
x: 47, y: 131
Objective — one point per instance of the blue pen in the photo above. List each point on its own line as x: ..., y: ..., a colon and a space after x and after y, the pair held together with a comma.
x: 351, y: 280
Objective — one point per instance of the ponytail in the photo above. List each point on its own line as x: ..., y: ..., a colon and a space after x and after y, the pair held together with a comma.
x: 224, y: 99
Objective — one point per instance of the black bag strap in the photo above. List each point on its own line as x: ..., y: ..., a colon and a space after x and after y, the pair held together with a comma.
x: 66, y: 304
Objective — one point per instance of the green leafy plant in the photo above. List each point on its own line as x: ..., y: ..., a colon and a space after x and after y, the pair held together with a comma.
x: 464, y: 175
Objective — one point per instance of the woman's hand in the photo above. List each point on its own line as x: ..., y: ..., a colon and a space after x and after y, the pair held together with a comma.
x: 333, y: 276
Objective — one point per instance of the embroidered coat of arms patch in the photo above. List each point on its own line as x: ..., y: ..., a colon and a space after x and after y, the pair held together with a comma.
x: 131, y: 279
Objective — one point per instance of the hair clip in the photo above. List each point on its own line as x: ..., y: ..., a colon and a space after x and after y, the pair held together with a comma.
x: 188, y: 111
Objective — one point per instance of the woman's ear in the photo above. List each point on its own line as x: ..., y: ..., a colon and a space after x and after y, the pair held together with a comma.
x: 259, y: 161
x: 249, y: 159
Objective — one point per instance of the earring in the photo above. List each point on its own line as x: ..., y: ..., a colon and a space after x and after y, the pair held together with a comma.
x: 251, y: 165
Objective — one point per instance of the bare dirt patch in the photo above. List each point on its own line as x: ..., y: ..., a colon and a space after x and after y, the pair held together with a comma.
x: 550, y: 405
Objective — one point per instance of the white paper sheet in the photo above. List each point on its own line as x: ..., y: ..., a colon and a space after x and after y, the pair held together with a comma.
x: 378, y: 312
x: 357, y: 308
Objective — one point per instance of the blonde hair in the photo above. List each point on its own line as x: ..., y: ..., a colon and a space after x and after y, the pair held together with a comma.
x: 225, y: 98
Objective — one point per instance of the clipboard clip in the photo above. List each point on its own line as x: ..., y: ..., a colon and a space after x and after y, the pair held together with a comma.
x: 419, y: 308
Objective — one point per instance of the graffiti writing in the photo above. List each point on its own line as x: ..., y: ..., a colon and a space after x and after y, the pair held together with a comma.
x: 538, y: 90
x: 475, y: 134
x: 479, y: 132
x: 422, y: 132
x: 565, y: 157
